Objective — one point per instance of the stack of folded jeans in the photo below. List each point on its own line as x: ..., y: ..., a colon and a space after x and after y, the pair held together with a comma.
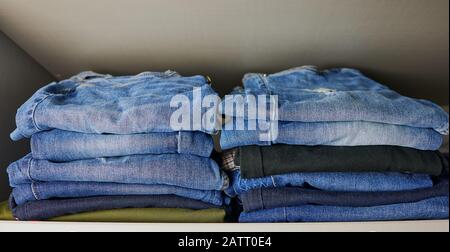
x: 103, y: 149
x: 340, y: 147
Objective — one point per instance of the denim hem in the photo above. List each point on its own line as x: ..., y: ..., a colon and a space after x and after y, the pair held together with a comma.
x: 35, y: 108
x: 29, y: 121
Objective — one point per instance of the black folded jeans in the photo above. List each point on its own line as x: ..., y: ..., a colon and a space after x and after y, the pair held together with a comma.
x: 257, y: 161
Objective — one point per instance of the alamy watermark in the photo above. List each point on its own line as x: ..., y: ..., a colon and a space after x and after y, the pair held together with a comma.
x: 195, y: 112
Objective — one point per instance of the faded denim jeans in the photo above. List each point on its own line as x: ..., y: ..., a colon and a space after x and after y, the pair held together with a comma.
x: 170, y: 169
x: 64, y: 146
x: 429, y: 209
x: 96, y: 103
x: 341, y: 182
x: 333, y: 134
x: 339, y: 95
x: 57, y: 190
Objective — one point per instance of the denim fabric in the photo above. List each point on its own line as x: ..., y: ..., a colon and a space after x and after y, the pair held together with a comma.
x: 434, y: 208
x: 344, y: 182
x: 332, y: 134
x: 64, y: 146
x: 445, y: 146
x: 170, y: 169
x: 47, y: 209
x: 95, y: 103
x: 341, y: 95
x: 256, y: 161
x: 52, y: 190
x: 261, y: 199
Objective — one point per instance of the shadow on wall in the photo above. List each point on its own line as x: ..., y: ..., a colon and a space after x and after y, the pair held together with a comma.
x: 20, y: 77
x: 422, y: 85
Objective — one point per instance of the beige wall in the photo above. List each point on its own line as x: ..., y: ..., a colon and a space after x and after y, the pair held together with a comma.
x: 403, y: 43
x: 20, y: 76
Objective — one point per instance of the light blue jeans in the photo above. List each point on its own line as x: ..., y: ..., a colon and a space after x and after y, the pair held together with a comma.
x: 434, y: 208
x: 338, y: 182
x: 339, y: 95
x: 64, y: 146
x: 170, y: 169
x: 95, y: 103
x: 332, y: 134
x: 44, y: 191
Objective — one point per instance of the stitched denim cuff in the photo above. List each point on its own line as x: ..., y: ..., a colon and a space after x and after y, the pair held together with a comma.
x: 25, y: 119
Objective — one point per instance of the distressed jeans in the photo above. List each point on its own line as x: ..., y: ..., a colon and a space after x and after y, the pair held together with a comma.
x: 308, y: 95
x: 98, y: 104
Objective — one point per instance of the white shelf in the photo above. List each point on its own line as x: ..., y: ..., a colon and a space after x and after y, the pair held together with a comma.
x: 406, y: 226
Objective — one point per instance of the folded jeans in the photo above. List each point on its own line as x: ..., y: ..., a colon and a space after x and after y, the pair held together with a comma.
x: 58, y: 190
x: 169, y: 169
x: 429, y: 209
x: 65, y: 146
x: 48, y: 209
x: 261, y: 199
x: 96, y: 103
x: 306, y: 94
x: 328, y: 133
x: 335, y: 182
x: 257, y: 161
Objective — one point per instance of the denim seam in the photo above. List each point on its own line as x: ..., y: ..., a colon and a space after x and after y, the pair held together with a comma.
x: 29, y: 169
x: 263, y: 81
x: 35, y: 192
x: 273, y: 181
x: 430, y: 142
x: 285, y: 214
x: 33, y: 116
x: 179, y: 142
x: 261, y: 198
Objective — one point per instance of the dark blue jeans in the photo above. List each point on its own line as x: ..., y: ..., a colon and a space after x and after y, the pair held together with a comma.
x: 430, y: 209
x: 261, y: 199
x: 47, y: 209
